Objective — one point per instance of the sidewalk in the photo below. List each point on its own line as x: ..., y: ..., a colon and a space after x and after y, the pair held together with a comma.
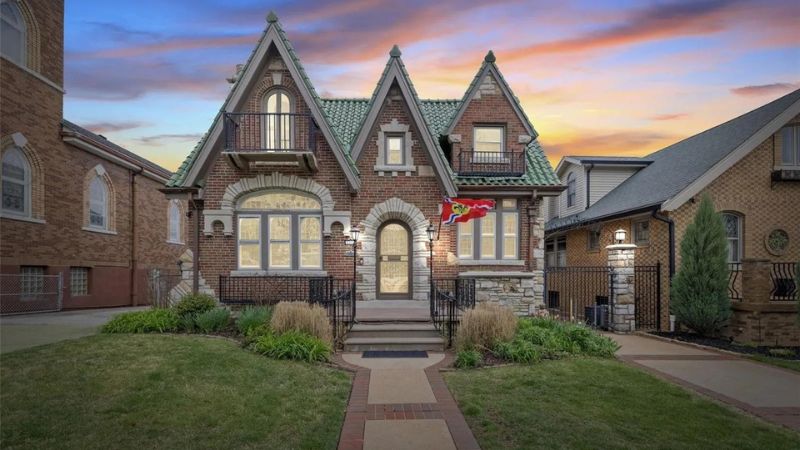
x: 402, y: 403
x: 772, y: 393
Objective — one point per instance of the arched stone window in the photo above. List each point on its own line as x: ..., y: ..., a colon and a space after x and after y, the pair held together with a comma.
x: 16, y: 184
x: 175, y: 222
x: 99, y: 203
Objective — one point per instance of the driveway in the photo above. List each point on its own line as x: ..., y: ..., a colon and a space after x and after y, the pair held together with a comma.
x: 31, y: 330
x: 772, y: 393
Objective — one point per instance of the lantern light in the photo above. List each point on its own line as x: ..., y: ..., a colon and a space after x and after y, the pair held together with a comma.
x: 354, y: 232
x: 431, y: 232
x: 619, y: 236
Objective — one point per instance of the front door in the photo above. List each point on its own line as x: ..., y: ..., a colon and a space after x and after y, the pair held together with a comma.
x: 394, y: 261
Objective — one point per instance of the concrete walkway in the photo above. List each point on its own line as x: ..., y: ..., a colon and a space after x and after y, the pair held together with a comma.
x: 770, y: 392
x: 31, y: 330
x: 402, y: 403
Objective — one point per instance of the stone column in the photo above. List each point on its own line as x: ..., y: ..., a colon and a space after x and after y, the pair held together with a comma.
x: 756, y: 281
x: 536, y: 253
x: 623, y: 307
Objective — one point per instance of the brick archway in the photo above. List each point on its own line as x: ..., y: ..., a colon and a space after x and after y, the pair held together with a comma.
x: 394, y: 209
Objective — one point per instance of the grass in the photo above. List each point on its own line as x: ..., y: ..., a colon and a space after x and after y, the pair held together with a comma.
x: 595, y: 403
x: 165, y: 391
x: 791, y: 364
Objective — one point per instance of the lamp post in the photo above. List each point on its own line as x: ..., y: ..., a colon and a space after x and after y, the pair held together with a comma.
x: 431, y: 233
x: 619, y: 236
x: 353, y: 240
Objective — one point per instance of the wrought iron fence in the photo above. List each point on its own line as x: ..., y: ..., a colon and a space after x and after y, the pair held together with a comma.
x: 29, y: 293
x: 488, y: 164
x: 647, y: 286
x: 336, y: 296
x: 580, y: 294
x: 450, y: 298
x: 160, y: 286
x: 274, y: 132
x: 735, y: 282
x: 784, y: 287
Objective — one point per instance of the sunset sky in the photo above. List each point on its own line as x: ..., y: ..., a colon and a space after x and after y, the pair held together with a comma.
x: 596, y: 77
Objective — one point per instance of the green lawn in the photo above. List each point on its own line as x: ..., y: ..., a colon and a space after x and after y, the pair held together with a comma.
x: 791, y: 364
x: 165, y: 391
x: 592, y: 403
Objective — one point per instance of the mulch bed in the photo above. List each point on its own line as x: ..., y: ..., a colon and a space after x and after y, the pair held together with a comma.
x: 726, y: 344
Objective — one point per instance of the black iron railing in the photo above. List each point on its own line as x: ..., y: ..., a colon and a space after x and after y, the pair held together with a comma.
x: 580, y: 294
x: 491, y: 164
x: 270, y: 132
x: 647, y: 286
x: 784, y: 287
x: 450, y: 298
x: 336, y: 296
x: 735, y: 282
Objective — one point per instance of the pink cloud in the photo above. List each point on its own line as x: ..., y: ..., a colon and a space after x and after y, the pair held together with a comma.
x: 765, y: 89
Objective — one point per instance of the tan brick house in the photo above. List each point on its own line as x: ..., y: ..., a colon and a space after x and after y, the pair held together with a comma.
x: 749, y: 166
x: 73, y: 203
x: 283, y: 175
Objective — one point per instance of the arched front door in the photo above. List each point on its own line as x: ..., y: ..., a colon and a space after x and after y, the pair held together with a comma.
x: 394, y: 261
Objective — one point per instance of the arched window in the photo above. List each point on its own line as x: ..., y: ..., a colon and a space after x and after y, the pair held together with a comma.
x: 13, y: 39
x: 733, y: 231
x: 16, y: 185
x: 278, y: 125
x: 174, y: 220
x: 571, y: 189
x: 98, y: 203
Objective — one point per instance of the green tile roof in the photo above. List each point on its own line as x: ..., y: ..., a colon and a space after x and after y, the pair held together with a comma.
x: 346, y: 116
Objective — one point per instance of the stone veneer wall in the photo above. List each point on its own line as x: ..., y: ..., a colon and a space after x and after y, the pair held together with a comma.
x: 523, y: 292
x: 760, y: 324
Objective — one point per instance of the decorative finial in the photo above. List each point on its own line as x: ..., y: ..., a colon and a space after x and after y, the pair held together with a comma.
x: 272, y: 17
x: 395, y: 52
x: 490, y: 58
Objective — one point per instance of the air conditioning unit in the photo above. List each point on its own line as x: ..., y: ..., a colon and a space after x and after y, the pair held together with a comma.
x: 596, y: 316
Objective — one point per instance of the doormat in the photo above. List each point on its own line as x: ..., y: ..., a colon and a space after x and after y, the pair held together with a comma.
x: 395, y: 354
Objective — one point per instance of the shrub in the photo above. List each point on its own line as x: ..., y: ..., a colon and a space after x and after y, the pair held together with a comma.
x: 468, y: 358
x: 252, y: 317
x: 186, y: 323
x: 294, y: 345
x: 300, y: 316
x: 212, y: 320
x: 484, y: 326
x: 700, y: 288
x: 148, y: 321
x: 194, y: 304
x: 518, y: 350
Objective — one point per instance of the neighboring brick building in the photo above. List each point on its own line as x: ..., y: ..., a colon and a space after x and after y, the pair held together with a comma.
x: 749, y: 166
x: 73, y: 203
x: 283, y: 174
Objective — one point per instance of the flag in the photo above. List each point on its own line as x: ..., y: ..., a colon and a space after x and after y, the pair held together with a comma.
x: 456, y: 210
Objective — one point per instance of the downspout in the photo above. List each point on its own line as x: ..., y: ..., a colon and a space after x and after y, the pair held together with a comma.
x: 134, y: 257
x: 588, y: 173
x: 196, y: 244
x: 671, y: 224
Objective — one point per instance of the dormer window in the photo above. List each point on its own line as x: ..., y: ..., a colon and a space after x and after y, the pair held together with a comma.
x: 395, y: 146
x: 571, y: 190
x: 489, y: 140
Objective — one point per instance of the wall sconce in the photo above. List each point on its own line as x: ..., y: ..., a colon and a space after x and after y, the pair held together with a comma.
x: 619, y: 236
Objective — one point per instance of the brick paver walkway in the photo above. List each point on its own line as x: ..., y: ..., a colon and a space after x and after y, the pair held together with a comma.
x: 769, y: 392
x: 422, y: 413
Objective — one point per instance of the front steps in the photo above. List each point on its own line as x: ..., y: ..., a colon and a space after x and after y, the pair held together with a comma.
x: 403, y: 335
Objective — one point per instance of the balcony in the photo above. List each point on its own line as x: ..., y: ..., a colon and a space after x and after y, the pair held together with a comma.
x: 271, y: 139
x: 490, y: 164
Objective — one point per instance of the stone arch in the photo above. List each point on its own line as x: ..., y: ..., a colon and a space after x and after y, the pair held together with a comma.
x: 399, y: 210
x: 18, y: 140
x: 100, y: 171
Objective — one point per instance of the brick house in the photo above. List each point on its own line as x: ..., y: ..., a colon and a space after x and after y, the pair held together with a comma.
x: 749, y: 166
x: 283, y: 175
x: 73, y: 203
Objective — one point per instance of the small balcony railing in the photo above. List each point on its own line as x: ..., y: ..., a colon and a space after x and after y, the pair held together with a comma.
x: 491, y: 164
x: 269, y: 132
x: 735, y: 282
x: 782, y: 276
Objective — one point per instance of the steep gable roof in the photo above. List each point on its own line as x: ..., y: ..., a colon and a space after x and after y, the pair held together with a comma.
x: 189, y: 173
x: 683, y: 169
x: 395, y: 72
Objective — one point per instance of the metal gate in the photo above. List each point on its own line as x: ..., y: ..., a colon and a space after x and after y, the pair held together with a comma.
x: 580, y: 294
x: 647, y: 286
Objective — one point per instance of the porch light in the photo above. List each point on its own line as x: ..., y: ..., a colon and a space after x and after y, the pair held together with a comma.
x: 431, y: 232
x: 350, y: 241
x: 619, y: 236
x: 354, y: 232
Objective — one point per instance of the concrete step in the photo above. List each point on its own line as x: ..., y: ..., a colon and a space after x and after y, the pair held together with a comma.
x: 360, y: 344
x: 393, y: 330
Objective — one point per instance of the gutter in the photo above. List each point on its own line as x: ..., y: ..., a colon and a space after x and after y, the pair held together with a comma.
x: 671, y: 225
x: 134, y: 256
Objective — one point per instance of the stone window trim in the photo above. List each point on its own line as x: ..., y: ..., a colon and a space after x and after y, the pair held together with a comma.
x: 171, y: 218
x: 500, y: 213
x: 31, y: 36
x: 395, y: 129
x: 276, y: 180
x: 98, y: 172
x: 36, y: 212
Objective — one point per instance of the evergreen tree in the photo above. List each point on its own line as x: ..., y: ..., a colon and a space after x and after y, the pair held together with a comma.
x: 700, y: 288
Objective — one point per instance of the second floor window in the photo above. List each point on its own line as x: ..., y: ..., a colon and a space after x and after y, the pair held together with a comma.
x: 488, y: 141
x: 572, y: 190
x: 395, y: 150
x: 98, y: 204
x: 278, y: 123
x: 16, y: 182
x: 733, y: 231
x: 12, y: 32
x: 790, y: 146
